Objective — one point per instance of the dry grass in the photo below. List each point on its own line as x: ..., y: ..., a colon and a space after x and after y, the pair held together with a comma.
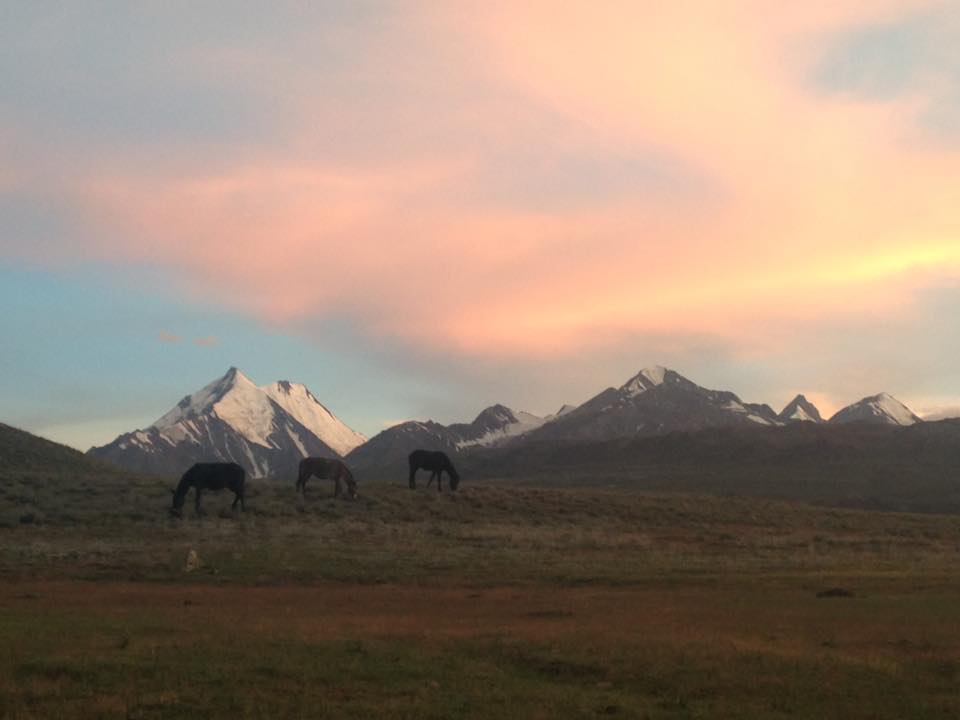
x: 497, y: 601
x: 118, y: 529
x: 718, y: 649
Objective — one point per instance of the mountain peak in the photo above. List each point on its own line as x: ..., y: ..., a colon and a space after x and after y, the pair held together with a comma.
x: 233, y: 378
x: 655, y: 374
x: 206, y: 398
x: 649, y: 378
x: 800, y: 410
x: 235, y: 374
x: 495, y: 416
x: 882, y: 408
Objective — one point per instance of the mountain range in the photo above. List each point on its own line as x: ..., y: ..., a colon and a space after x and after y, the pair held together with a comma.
x: 269, y: 429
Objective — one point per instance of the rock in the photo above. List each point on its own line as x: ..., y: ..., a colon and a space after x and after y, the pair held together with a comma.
x: 193, y: 561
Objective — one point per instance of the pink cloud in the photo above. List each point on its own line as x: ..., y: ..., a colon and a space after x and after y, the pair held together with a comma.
x: 371, y: 208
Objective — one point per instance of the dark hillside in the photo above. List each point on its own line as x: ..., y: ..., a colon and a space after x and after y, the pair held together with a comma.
x: 915, y: 468
x: 21, y: 451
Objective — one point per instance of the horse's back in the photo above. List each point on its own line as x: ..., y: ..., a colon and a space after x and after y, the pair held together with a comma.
x: 419, y: 458
x: 429, y: 459
x: 322, y: 467
x: 216, y: 476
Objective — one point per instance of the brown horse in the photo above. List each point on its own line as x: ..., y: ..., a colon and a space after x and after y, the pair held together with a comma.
x: 326, y: 469
x: 437, y: 463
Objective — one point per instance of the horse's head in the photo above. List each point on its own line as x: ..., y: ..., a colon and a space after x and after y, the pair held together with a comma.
x: 176, y: 508
x: 351, y: 488
x: 454, y: 478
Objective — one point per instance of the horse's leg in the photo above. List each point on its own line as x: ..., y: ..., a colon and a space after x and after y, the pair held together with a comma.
x: 302, y: 476
x: 413, y: 476
x: 196, y: 502
x: 337, y: 487
x: 439, y: 480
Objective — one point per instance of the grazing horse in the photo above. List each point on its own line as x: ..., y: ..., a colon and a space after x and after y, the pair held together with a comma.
x: 326, y: 469
x: 210, y: 476
x: 436, y: 462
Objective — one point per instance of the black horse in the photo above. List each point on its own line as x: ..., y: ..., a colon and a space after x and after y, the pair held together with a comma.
x: 436, y: 462
x: 210, y: 476
x: 326, y: 469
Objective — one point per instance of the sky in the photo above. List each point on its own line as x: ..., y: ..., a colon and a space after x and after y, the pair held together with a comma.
x: 420, y: 209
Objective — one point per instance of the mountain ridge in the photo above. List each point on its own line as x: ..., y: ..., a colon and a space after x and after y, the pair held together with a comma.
x: 269, y: 428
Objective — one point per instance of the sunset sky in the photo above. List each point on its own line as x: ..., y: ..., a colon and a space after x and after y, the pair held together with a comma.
x: 420, y: 209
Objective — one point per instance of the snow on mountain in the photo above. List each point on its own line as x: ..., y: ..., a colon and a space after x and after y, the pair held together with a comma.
x: 267, y: 430
x: 800, y: 410
x: 878, y: 409
x: 297, y: 400
x: 801, y: 415
x: 494, y: 426
x: 646, y: 379
x: 235, y: 400
x: 655, y: 401
x: 751, y: 412
x: 564, y: 409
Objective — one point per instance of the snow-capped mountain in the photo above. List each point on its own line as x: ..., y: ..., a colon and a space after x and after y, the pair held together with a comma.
x: 494, y: 426
x: 297, y: 400
x: 655, y: 401
x: 882, y: 409
x: 267, y: 430
x: 800, y: 410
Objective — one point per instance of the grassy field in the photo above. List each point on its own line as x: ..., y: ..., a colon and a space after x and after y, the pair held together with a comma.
x: 498, y: 601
